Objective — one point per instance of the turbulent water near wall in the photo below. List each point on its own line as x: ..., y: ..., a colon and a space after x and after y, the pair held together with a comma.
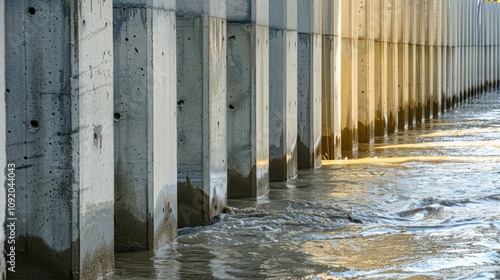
x: 422, y: 204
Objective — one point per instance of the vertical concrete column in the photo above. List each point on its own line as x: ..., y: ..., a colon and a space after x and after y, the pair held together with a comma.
x: 366, y: 73
x: 445, y: 56
x: 496, y: 25
x: 349, y: 72
x: 248, y: 98
x: 431, y: 104
x: 438, y: 59
x: 3, y: 134
x: 421, y: 62
x: 309, y: 59
x: 380, y: 36
x: 404, y: 62
x: 145, y: 125
x: 392, y: 66
x: 455, y: 53
x: 413, y: 81
x: 59, y: 100
x: 331, y: 80
x: 282, y: 90
x: 201, y: 111
x: 460, y: 49
x: 450, y: 54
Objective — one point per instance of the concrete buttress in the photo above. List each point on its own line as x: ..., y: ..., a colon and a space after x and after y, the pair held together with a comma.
x: 144, y: 122
x: 248, y: 98
x: 201, y: 111
x: 59, y: 100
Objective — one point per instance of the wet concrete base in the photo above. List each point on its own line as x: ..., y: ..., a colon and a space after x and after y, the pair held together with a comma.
x: 130, y: 233
x: 240, y: 186
x: 306, y: 159
x: 193, y: 205
x: 391, y: 123
x: 36, y: 260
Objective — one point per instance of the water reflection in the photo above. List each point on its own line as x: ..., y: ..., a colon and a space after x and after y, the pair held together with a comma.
x: 422, y: 204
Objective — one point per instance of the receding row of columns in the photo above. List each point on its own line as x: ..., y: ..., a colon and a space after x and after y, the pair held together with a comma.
x: 127, y: 119
x: 401, y: 62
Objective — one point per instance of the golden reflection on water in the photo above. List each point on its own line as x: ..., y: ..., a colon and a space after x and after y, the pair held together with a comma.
x: 365, y: 253
x: 462, y: 132
x: 389, y: 160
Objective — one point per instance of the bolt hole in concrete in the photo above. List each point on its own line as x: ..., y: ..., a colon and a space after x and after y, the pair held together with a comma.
x: 117, y: 116
x: 31, y: 11
x: 231, y: 107
x: 33, y: 125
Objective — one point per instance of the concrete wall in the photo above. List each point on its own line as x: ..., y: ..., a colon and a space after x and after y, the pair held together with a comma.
x: 282, y: 90
x: 366, y: 73
x: 331, y: 80
x: 309, y: 83
x: 248, y: 98
x: 349, y: 76
x: 201, y: 110
x: 59, y: 102
x: 144, y: 120
x: 3, y: 133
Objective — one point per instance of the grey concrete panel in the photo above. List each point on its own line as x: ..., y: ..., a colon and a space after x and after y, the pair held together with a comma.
x: 248, y: 11
x: 309, y: 17
x: 3, y: 134
x: 283, y: 14
x: 59, y: 106
x: 161, y: 4
x: 145, y: 96
x: 283, y: 104
x: 213, y: 8
x: 248, y: 110
x: 309, y: 100
x: 202, y: 113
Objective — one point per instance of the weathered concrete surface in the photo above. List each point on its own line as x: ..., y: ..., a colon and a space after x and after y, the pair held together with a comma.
x: 309, y: 83
x: 283, y: 90
x: 331, y: 80
x: 59, y: 113
x: 248, y: 98
x: 392, y: 65
x: 202, y: 111
x: 3, y: 133
x: 144, y: 114
x: 381, y: 53
x: 366, y: 74
x: 349, y: 73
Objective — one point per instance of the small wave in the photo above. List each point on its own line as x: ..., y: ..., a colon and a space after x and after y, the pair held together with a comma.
x: 426, y: 211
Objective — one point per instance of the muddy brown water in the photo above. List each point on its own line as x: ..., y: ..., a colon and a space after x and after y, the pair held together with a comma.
x: 421, y: 204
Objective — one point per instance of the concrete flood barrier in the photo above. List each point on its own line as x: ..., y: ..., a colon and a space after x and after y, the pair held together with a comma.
x: 201, y: 111
x: 59, y: 106
x: 128, y: 119
x: 309, y: 69
x: 144, y: 120
x: 248, y: 98
x: 283, y: 51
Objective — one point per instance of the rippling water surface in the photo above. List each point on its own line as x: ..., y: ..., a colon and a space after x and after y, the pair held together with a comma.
x: 422, y: 204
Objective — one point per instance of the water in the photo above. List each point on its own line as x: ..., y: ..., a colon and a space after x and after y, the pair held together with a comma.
x: 422, y: 204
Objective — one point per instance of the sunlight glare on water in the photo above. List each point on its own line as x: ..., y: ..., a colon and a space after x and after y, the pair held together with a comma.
x: 421, y: 204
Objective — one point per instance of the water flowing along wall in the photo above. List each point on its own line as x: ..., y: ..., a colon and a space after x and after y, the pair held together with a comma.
x: 128, y: 119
